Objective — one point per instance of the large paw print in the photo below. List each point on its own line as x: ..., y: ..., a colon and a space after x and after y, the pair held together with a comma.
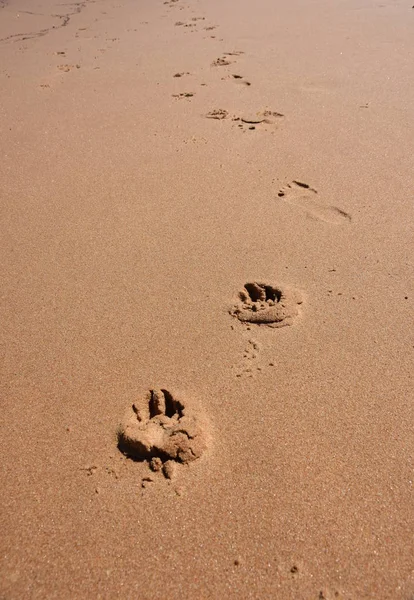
x: 158, y: 426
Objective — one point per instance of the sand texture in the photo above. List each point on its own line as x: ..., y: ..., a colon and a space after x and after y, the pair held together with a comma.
x: 207, y: 300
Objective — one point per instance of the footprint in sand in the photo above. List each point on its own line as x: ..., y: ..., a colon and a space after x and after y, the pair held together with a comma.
x: 240, y: 79
x: 304, y: 196
x: 218, y: 113
x: 183, y: 95
x: 67, y: 68
x: 159, y: 429
x: 247, y: 121
x: 267, y: 117
x: 221, y: 62
x: 269, y: 305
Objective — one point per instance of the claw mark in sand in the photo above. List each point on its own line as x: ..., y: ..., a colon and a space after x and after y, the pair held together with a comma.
x: 302, y: 195
x: 264, y: 304
x: 159, y: 429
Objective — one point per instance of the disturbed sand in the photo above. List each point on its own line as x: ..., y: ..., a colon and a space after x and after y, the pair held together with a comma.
x: 156, y: 158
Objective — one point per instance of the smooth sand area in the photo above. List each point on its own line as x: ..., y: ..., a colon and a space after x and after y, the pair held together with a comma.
x: 207, y: 249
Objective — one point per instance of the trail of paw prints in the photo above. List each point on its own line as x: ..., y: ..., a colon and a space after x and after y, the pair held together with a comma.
x: 266, y: 119
x: 252, y: 364
x: 305, y: 197
x: 249, y: 366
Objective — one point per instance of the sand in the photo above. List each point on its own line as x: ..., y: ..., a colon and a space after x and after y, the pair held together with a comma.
x: 156, y: 157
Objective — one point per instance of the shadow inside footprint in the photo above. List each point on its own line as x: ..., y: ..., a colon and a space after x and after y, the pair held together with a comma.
x: 264, y: 304
x: 157, y: 426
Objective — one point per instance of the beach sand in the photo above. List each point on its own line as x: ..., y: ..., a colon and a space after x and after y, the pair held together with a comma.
x: 156, y: 157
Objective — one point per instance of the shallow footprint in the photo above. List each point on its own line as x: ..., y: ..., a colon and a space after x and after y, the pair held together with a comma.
x: 218, y: 113
x: 304, y: 196
x: 258, y: 119
x: 183, y: 95
x: 221, y: 62
x: 240, y: 79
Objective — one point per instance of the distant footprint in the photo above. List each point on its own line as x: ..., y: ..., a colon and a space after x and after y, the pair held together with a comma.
x: 67, y: 68
x: 247, y: 121
x: 241, y: 79
x: 183, y: 95
x: 218, y: 113
x: 221, y: 62
x: 304, y: 196
x: 234, y: 53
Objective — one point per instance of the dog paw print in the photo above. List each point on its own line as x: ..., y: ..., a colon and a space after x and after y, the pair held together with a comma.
x: 158, y: 429
x: 264, y: 304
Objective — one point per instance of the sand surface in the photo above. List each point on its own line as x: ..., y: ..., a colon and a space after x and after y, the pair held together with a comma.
x: 135, y: 206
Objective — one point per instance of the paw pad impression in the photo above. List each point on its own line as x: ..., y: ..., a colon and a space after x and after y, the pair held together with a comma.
x: 158, y: 426
x: 264, y: 304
